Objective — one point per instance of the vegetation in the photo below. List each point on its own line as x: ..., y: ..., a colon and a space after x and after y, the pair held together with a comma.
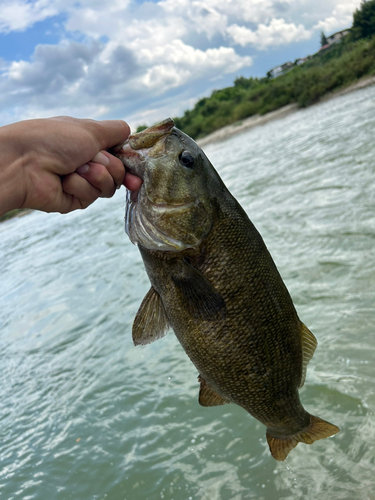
x: 323, y: 39
x: 364, y: 20
x: 337, y: 66
x: 12, y: 213
x: 140, y: 128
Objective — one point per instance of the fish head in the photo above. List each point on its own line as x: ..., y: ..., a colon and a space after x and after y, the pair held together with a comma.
x: 173, y: 209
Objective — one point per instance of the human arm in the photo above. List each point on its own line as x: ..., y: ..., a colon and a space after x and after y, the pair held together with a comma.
x: 46, y: 164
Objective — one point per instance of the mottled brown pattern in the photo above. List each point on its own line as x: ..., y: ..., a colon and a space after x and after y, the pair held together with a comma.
x: 228, y: 305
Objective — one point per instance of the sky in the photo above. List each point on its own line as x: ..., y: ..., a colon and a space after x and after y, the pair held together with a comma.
x: 143, y: 61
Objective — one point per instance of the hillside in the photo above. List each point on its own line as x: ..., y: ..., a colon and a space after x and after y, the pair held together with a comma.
x: 337, y: 67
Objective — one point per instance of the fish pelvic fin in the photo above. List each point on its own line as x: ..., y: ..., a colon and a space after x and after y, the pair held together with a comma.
x: 318, y: 429
x: 151, y: 322
x: 209, y: 397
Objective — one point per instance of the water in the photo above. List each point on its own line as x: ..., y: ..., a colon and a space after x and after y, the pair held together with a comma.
x: 86, y: 415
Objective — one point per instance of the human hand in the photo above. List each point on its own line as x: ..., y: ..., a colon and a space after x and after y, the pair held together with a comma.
x: 60, y: 164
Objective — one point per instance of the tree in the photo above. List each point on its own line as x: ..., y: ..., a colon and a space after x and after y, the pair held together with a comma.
x: 364, y: 20
x: 140, y: 128
x: 323, y: 39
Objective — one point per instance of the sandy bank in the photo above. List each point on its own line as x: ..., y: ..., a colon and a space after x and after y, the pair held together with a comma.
x: 255, y: 121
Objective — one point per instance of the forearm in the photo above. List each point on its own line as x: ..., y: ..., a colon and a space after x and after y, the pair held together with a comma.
x: 11, y: 167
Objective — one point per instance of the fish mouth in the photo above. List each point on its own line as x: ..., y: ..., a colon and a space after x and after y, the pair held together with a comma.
x: 142, y: 212
x: 167, y: 207
x: 139, y: 146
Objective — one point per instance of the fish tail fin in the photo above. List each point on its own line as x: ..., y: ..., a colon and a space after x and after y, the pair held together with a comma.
x: 317, y: 429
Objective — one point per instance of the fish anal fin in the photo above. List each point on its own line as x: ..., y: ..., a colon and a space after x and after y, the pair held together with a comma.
x: 309, y: 344
x: 318, y: 429
x: 151, y: 322
x: 209, y: 397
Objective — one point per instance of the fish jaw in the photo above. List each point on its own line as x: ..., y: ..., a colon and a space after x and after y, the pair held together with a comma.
x: 149, y: 137
x: 146, y: 214
x: 139, y: 147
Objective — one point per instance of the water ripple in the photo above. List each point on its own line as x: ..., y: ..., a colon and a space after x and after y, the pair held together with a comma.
x: 85, y: 414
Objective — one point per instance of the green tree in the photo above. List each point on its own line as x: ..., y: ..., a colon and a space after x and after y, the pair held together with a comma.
x: 364, y: 20
x: 140, y: 128
x: 323, y: 39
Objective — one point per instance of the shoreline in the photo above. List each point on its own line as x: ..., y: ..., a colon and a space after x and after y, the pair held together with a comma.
x: 253, y: 121
x: 256, y: 120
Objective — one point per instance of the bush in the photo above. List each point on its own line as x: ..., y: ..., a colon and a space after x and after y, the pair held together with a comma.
x: 338, y: 66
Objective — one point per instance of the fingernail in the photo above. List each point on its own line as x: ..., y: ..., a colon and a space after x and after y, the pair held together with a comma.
x: 101, y: 158
x: 83, y: 169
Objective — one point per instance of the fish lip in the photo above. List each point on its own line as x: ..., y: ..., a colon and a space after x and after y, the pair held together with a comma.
x: 168, y: 207
x: 132, y: 159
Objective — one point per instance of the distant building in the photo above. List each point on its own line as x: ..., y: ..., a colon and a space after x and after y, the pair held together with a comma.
x: 280, y: 70
x: 301, y: 60
x: 324, y: 47
x: 336, y: 37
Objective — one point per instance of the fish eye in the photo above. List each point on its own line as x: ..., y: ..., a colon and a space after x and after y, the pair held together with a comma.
x: 186, y: 159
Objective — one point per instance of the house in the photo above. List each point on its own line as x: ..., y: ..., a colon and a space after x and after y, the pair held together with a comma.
x: 336, y: 37
x: 324, y: 47
x: 301, y: 60
x: 280, y: 70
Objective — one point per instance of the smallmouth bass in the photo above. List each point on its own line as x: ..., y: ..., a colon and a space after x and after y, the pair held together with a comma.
x: 215, y: 284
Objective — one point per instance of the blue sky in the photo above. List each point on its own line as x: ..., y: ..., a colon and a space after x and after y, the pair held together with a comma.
x: 144, y: 60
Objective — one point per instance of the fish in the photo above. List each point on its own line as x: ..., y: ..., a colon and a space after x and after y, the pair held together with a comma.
x: 214, y: 282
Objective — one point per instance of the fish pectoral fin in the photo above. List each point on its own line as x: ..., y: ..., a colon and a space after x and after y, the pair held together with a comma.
x: 203, y: 301
x: 151, y: 321
x: 209, y: 397
x: 309, y: 344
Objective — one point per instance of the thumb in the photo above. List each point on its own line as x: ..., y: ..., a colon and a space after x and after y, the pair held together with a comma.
x: 109, y: 133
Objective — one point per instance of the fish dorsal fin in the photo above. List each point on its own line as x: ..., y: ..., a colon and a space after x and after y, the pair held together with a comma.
x: 151, y: 322
x: 208, y: 397
x: 309, y: 344
x: 203, y: 301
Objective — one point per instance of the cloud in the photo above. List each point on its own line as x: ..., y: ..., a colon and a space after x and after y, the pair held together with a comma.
x: 98, y: 77
x: 342, y: 16
x: 278, y: 32
x: 127, y: 58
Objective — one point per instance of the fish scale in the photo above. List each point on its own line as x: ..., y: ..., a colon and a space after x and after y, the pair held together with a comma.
x: 215, y: 283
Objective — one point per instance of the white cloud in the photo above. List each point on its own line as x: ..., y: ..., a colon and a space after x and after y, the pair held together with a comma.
x: 342, y: 16
x: 19, y: 14
x: 278, y: 32
x: 100, y: 77
x: 181, y: 63
x: 122, y: 58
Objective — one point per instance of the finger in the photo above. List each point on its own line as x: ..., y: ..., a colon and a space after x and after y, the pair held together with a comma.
x: 132, y: 182
x: 99, y: 177
x: 109, y: 133
x: 114, y: 166
x: 75, y: 185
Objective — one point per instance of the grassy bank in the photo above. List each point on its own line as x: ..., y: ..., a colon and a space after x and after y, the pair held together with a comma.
x: 14, y: 213
x: 337, y: 67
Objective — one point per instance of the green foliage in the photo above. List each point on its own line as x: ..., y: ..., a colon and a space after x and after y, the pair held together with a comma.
x: 13, y: 213
x: 140, y: 128
x: 339, y: 65
x: 323, y: 39
x: 364, y: 20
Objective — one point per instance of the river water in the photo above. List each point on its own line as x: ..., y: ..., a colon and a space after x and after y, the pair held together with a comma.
x: 86, y: 415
